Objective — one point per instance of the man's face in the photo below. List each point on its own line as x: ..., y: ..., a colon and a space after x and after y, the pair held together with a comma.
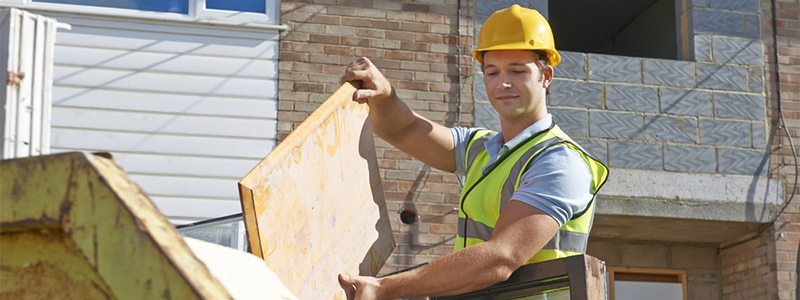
x: 514, y: 84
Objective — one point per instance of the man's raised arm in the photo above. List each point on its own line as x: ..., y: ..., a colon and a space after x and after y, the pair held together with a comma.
x: 397, y: 124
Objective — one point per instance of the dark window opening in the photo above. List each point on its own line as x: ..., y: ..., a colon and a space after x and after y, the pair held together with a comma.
x: 623, y: 27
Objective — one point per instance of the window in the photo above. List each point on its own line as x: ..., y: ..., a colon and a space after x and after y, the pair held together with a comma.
x: 653, y: 284
x: 248, y: 10
x: 264, y: 11
x: 173, y: 6
x: 628, y: 27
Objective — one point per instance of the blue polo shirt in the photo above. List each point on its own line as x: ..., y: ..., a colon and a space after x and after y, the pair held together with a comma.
x: 558, y: 181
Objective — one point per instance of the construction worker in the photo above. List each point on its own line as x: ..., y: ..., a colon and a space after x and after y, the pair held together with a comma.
x: 529, y: 190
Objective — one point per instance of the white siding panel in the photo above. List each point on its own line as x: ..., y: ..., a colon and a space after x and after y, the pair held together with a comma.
x: 231, y: 168
x: 195, y: 208
x: 165, y: 102
x: 110, y: 141
x: 168, y: 42
x: 169, y: 62
x: 197, y: 187
x: 187, y: 110
x: 163, y: 123
x: 164, y: 82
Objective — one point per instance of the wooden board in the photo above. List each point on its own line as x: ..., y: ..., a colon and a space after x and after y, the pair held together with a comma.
x: 314, y: 207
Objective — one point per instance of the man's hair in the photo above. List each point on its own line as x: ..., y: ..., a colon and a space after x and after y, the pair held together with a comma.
x: 542, y: 63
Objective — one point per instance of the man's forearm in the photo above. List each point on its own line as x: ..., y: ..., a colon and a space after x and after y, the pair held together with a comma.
x: 390, y: 118
x: 469, y: 269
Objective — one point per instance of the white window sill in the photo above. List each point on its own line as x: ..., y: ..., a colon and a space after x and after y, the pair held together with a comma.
x: 136, y: 14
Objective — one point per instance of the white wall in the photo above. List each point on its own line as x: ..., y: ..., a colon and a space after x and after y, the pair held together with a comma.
x: 187, y: 109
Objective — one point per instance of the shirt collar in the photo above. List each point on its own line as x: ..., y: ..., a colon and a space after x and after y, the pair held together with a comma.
x: 496, y: 147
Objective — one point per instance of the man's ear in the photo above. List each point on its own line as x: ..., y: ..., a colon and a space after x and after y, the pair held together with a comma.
x: 547, y: 77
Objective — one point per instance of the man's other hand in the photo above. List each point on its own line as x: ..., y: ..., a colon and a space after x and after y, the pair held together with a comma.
x: 359, y: 287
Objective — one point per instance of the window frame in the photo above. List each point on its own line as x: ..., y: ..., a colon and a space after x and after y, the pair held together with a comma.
x: 197, y: 9
x: 679, y: 274
x: 186, y: 18
x: 196, y: 12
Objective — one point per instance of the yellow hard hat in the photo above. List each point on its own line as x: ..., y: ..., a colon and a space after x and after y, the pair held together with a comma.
x: 517, y: 28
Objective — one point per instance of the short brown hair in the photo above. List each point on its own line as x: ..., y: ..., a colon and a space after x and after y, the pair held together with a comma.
x: 543, y: 63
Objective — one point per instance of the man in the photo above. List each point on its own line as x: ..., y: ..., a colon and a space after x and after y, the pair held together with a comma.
x: 529, y: 190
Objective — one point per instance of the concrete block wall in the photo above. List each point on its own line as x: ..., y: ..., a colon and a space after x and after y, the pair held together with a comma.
x: 415, y: 45
x: 704, y: 116
x: 656, y: 114
x: 700, y: 261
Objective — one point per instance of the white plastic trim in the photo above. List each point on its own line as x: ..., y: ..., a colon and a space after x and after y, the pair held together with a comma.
x: 128, y: 13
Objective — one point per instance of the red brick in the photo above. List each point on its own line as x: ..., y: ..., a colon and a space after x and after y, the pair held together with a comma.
x: 341, y: 10
x: 415, y: 26
x: 323, y: 59
x: 416, y: 7
x: 399, y: 75
x: 357, y: 3
x: 308, y: 48
x: 309, y: 87
x: 292, y: 116
x: 307, y: 67
x: 401, y: 55
x: 428, y: 38
x: 325, y: 19
x: 385, y: 64
x: 430, y: 18
x: 430, y: 57
x: 354, y: 41
x: 356, y: 22
x: 340, y: 50
x: 399, y: 36
x: 325, y: 39
x: 392, y: 25
x: 293, y: 56
x: 369, y: 53
x: 444, y: 87
x: 412, y: 85
x: 414, y: 46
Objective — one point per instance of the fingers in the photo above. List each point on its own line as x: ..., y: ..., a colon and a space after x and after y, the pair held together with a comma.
x: 357, y: 70
x: 347, y: 286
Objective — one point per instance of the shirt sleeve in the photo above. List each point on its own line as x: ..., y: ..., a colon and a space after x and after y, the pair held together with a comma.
x: 461, y: 141
x: 558, y: 182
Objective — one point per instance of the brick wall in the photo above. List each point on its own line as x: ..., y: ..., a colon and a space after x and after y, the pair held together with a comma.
x: 764, y: 267
x: 415, y: 45
x: 788, y: 225
x: 748, y: 267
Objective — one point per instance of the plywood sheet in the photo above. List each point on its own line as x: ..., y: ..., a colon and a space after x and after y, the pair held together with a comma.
x: 314, y: 207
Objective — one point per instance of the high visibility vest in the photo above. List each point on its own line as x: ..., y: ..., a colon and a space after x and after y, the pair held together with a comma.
x: 484, y: 196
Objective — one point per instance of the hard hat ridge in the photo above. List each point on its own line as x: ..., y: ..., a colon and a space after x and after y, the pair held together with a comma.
x: 517, y: 28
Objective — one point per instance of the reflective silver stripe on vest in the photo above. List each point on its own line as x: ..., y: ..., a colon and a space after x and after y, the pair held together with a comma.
x: 568, y: 241
x: 563, y: 240
x: 477, y: 148
x: 475, y: 229
x: 511, y: 182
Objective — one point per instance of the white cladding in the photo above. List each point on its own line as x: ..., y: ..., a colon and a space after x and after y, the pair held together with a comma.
x: 186, y: 109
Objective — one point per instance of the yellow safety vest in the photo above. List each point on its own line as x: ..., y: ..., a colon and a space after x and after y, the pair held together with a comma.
x: 485, y: 195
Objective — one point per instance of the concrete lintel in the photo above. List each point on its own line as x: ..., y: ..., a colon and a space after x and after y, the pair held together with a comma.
x: 690, y: 196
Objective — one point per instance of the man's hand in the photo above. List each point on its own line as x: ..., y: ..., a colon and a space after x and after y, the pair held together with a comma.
x: 370, y: 82
x: 359, y: 287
